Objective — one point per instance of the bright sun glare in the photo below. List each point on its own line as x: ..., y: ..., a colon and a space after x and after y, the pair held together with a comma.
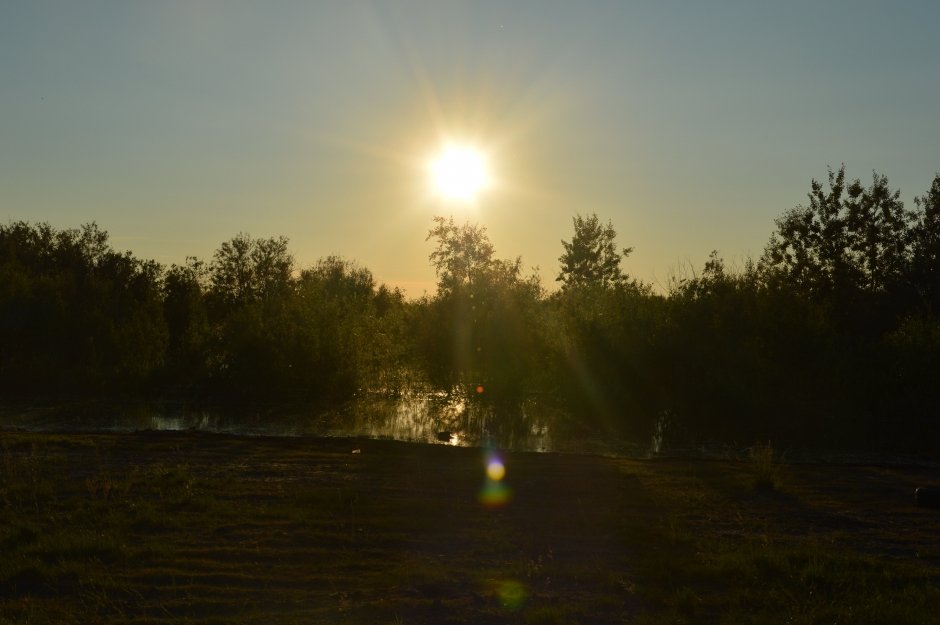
x: 459, y: 173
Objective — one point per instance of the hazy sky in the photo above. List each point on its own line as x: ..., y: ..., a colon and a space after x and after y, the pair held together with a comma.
x: 690, y: 125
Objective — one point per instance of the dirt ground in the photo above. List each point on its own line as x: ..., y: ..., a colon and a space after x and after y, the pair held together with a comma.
x: 197, y: 528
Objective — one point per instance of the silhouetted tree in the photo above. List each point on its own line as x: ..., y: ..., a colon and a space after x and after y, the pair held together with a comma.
x: 851, y: 238
x: 246, y: 269
x: 810, y: 248
x: 745, y: 359
x: 879, y: 231
x: 187, y: 320
x: 605, y: 366
x: 925, y: 244
x: 339, y: 351
x: 462, y: 255
x: 77, y: 315
x: 591, y: 258
x: 832, y: 339
x: 478, y: 332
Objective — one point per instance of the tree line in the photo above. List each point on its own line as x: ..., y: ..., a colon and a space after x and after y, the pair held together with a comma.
x: 830, y: 338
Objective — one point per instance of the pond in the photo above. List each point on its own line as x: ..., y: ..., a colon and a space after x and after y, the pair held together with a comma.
x: 435, y: 418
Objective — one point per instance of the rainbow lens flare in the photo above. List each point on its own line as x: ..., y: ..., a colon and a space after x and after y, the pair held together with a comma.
x: 495, y: 469
x: 495, y: 493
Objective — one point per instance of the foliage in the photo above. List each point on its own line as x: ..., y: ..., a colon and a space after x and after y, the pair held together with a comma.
x: 464, y: 254
x: 187, y: 321
x: 246, y: 270
x: 925, y: 248
x: 74, y: 313
x: 481, y: 329
x: 591, y: 258
x: 321, y: 335
x: 607, y: 368
x: 850, y: 247
x: 830, y: 339
x: 79, y: 317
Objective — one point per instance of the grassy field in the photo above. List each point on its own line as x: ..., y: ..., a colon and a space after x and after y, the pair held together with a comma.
x: 196, y: 528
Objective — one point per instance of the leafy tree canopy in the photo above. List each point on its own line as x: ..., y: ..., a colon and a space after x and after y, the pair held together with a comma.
x: 851, y: 237
x: 246, y: 269
x: 925, y: 248
x: 591, y: 258
x: 463, y: 255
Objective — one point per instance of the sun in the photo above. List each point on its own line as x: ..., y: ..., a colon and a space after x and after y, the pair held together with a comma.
x: 459, y: 173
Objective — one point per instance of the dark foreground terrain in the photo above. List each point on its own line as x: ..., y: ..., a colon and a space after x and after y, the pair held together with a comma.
x: 194, y: 528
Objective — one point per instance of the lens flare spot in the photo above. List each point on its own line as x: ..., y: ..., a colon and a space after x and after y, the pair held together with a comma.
x: 511, y: 594
x: 494, y: 494
x: 495, y: 470
x: 480, y: 388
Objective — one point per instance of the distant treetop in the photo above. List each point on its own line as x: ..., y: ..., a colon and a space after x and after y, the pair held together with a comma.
x: 591, y: 258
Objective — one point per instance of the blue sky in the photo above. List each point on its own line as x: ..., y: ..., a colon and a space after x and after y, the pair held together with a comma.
x: 691, y: 126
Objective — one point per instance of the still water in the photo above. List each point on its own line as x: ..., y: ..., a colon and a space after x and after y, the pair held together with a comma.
x: 434, y: 418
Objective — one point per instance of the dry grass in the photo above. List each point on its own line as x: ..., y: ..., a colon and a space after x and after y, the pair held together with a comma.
x: 764, y: 465
x: 188, y: 528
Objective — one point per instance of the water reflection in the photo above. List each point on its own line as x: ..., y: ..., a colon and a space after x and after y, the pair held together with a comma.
x: 440, y: 419
x: 435, y: 418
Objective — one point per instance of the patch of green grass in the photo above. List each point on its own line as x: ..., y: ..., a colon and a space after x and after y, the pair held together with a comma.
x: 705, y: 579
x: 807, y: 584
